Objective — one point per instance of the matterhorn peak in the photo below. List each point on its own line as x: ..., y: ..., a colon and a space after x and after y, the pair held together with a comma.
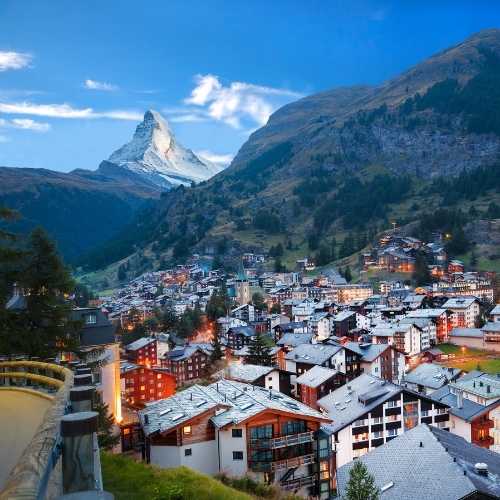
x: 154, y: 154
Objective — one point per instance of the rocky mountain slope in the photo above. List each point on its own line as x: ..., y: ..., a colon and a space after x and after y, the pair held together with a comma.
x: 83, y: 209
x: 343, y: 163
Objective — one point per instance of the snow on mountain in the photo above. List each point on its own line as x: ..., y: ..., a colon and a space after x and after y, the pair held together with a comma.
x: 154, y: 154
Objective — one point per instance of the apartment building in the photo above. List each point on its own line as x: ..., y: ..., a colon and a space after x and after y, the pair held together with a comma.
x: 241, y: 429
x: 142, y: 352
x: 368, y: 412
x: 464, y: 311
x: 188, y: 362
x: 440, y: 319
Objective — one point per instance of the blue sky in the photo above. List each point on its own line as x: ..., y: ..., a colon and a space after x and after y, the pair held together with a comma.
x: 75, y: 76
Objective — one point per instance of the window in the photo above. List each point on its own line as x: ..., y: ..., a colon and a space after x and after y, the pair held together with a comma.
x: 378, y: 420
x: 270, y: 379
x: 392, y: 404
x: 237, y: 433
x: 90, y: 319
x: 188, y: 452
x: 293, y: 428
x: 392, y: 432
x: 186, y: 430
x: 143, y: 387
x: 237, y: 455
x: 261, y: 432
x: 378, y: 434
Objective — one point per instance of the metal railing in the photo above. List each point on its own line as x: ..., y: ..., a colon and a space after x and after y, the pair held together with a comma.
x: 297, y: 483
x: 282, y: 441
x: 278, y: 465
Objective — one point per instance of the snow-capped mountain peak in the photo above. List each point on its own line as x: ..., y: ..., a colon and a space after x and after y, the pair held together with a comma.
x: 154, y: 153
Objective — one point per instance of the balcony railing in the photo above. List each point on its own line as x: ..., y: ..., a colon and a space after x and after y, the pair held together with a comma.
x: 300, y: 482
x: 278, y: 465
x: 282, y: 441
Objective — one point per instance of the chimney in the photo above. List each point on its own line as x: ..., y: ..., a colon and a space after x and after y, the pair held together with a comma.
x: 146, y: 419
x: 488, y: 388
x: 460, y: 399
x: 481, y: 469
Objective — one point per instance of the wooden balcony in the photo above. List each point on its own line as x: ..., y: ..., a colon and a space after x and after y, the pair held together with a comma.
x: 278, y: 465
x: 300, y: 482
x: 282, y: 441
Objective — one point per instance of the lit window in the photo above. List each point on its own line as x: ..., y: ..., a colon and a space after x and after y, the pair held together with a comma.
x: 187, y: 430
x: 143, y: 387
x: 158, y: 376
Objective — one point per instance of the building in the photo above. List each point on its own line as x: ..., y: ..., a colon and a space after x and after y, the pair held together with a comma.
x: 245, y: 312
x: 188, y: 362
x: 440, y: 319
x: 142, y: 352
x: 291, y: 340
x: 319, y: 324
x: 495, y: 314
x: 290, y: 327
x: 380, y: 360
x: 405, y: 337
x: 317, y: 383
x: 140, y: 385
x: 343, y: 323
x: 428, y: 377
x: 464, y: 311
x: 269, y: 377
x: 240, y: 336
x: 241, y: 430
x: 242, y: 291
x: 474, y: 402
x: 426, y: 462
x: 368, y: 412
x: 350, y: 292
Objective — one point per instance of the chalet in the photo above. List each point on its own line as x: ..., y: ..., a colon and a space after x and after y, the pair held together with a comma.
x: 188, y: 362
x: 464, y: 311
x: 474, y: 402
x: 317, y: 383
x: 404, y: 337
x: 269, y: 377
x: 291, y: 340
x: 495, y: 314
x: 290, y: 327
x: 241, y: 430
x: 368, y: 412
x: 380, y: 360
x: 319, y: 324
x: 240, y: 336
x: 428, y: 377
x: 246, y: 313
x: 142, y: 351
x: 141, y: 385
x: 427, y: 462
x: 343, y: 323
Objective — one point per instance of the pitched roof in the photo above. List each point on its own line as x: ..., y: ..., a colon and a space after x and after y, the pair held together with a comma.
x: 295, y: 339
x: 431, y: 375
x: 237, y: 400
x: 430, y: 454
x: 351, y: 401
x: 459, y: 302
x: 316, y: 376
x: 139, y: 343
x: 493, y: 327
x: 313, y: 354
x: 495, y: 310
x: 467, y: 332
x: 368, y: 352
x: 181, y: 353
x: 246, y: 372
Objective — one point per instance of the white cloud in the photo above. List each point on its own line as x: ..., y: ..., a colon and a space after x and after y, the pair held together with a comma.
x: 188, y: 118
x: 66, y: 111
x: 14, y: 60
x: 220, y: 159
x: 236, y: 102
x: 95, y: 85
x: 25, y: 124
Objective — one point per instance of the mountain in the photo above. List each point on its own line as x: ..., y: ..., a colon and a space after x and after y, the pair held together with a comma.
x: 83, y: 209
x: 157, y: 158
x: 337, y: 166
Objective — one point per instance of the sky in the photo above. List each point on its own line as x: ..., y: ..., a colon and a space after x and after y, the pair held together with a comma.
x: 76, y: 76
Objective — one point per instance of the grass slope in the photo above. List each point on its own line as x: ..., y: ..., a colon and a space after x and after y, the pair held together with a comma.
x: 130, y: 480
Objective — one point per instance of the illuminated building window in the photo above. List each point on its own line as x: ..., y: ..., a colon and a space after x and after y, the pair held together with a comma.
x: 186, y: 430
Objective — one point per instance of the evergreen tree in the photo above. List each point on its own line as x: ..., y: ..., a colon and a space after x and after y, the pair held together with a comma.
x: 219, y: 304
x: 275, y: 309
x: 44, y: 326
x: 258, y: 301
x: 168, y: 318
x: 216, y: 353
x: 348, y: 274
x: 361, y: 484
x: 259, y: 352
x: 421, y: 274
x: 106, y: 435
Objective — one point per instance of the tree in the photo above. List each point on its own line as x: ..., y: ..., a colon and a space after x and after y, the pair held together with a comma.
x: 259, y: 352
x: 44, y: 326
x: 258, y: 301
x: 106, y: 435
x: 216, y: 353
x: 421, y: 274
x: 219, y: 304
x: 122, y: 273
x: 275, y: 309
x: 168, y: 319
x: 348, y: 274
x: 361, y: 484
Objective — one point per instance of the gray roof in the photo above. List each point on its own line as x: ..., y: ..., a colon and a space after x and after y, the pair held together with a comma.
x: 467, y: 332
x: 140, y: 343
x: 431, y: 375
x: 495, y: 310
x: 181, y: 353
x: 343, y: 315
x: 484, y: 385
x: 295, y: 339
x: 420, y: 463
x: 239, y: 402
x: 368, y: 352
x: 246, y: 372
x: 469, y: 410
x: 313, y: 354
x: 356, y: 398
x: 459, y: 302
x: 426, y: 313
x: 419, y: 322
x: 493, y: 327
x: 316, y: 376
x: 246, y: 331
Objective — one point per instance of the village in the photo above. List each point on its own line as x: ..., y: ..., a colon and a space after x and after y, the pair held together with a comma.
x: 289, y: 377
